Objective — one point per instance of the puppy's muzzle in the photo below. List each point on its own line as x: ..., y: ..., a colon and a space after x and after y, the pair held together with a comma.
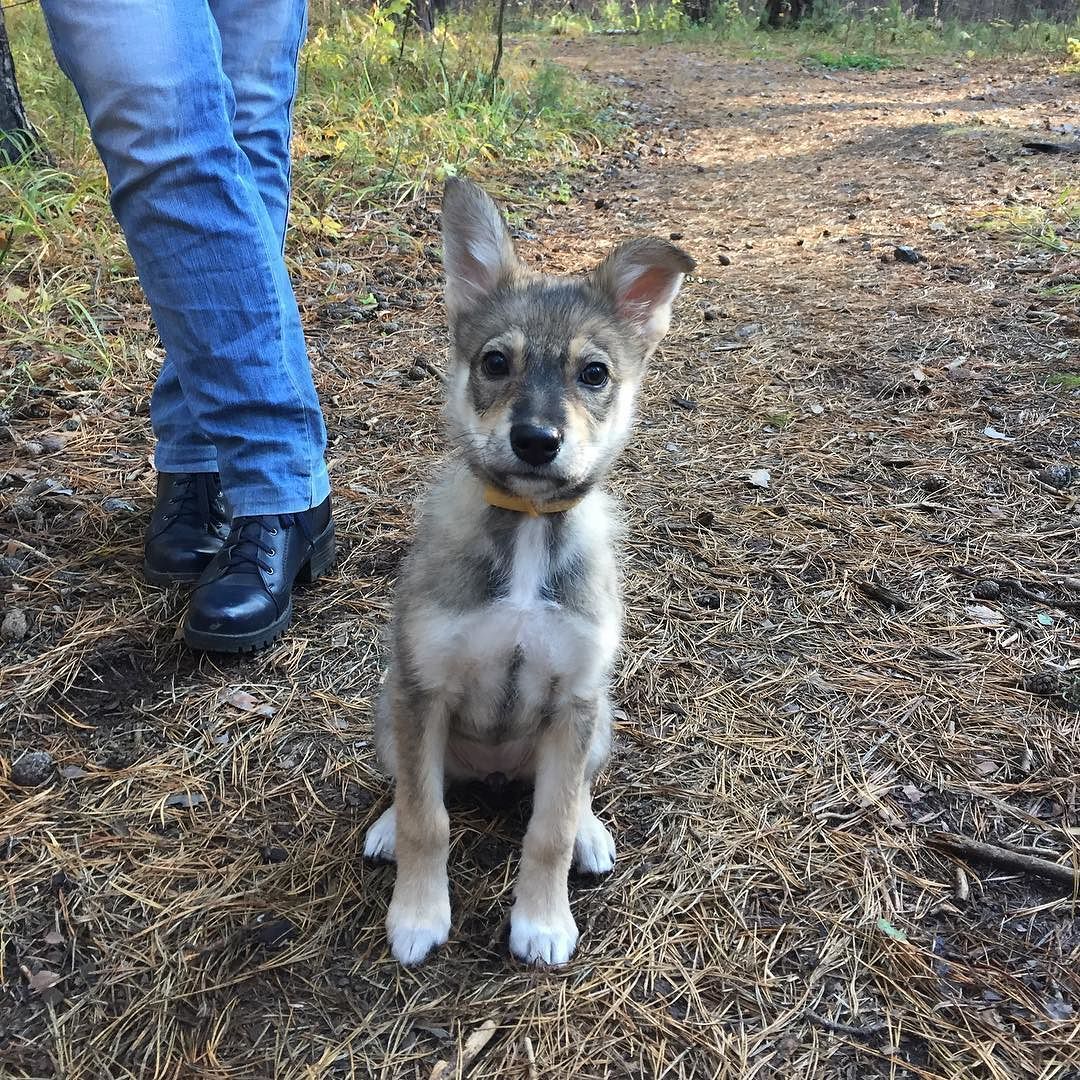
x: 534, y: 444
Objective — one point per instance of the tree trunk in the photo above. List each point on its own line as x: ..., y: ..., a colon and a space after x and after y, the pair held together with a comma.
x: 781, y: 13
x: 698, y: 11
x: 423, y: 11
x: 17, y: 136
x: 497, y: 62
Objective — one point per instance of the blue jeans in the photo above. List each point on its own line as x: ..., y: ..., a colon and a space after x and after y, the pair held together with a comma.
x: 190, y: 103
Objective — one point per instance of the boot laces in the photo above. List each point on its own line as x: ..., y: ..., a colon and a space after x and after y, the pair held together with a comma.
x: 194, y: 498
x: 251, y: 538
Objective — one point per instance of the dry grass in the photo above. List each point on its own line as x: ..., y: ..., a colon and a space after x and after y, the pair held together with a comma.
x: 788, y: 737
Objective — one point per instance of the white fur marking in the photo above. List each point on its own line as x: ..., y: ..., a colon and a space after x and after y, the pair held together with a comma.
x: 530, y: 567
x: 550, y: 941
x: 411, y: 944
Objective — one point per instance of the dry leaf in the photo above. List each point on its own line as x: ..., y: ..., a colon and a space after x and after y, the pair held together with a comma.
x: 245, y: 702
x: 54, y: 937
x: 43, y: 980
x: 985, y: 768
x: 73, y: 772
x: 986, y: 615
x: 759, y: 478
x: 993, y: 433
x: 912, y: 793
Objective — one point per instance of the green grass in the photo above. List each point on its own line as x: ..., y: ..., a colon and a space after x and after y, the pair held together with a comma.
x: 857, y: 40
x: 1054, y: 227
x: 848, y: 61
x: 1064, y: 380
x: 377, y: 121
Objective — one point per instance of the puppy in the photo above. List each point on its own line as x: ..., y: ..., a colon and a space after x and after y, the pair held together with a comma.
x: 508, y: 615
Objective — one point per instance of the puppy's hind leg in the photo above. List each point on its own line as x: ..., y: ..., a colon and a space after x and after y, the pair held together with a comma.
x: 594, y: 846
x: 418, y: 919
x: 379, y: 843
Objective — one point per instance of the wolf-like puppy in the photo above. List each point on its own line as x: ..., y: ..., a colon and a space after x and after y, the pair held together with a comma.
x: 508, y: 614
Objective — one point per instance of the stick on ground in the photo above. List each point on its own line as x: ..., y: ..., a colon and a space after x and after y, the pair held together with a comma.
x: 1007, y: 860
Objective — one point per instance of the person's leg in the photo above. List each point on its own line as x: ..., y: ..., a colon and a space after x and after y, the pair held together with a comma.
x: 161, y: 109
x: 260, y: 43
x: 259, y: 58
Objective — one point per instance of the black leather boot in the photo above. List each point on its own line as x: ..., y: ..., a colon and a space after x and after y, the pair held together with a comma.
x: 187, y: 528
x: 243, y: 601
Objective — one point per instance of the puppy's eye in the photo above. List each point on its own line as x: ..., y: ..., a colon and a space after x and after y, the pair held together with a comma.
x: 594, y: 374
x: 495, y: 365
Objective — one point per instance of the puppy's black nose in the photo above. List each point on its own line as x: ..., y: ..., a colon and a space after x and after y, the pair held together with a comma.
x: 535, y: 445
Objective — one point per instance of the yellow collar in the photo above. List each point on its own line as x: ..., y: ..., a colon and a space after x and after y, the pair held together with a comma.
x: 495, y: 497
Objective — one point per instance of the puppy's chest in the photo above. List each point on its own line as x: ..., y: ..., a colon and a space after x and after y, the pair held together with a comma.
x: 522, y: 651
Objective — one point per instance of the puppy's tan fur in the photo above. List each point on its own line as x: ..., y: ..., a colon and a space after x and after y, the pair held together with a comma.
x: 506, y: 624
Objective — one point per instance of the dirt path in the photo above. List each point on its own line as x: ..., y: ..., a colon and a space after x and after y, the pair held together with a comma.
x: 820, y: 672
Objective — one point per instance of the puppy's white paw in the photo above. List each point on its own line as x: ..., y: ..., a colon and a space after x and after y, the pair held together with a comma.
x: 414, y: 934
x: 594, y: 848
x: 549, y: 939
x: 379, y: 842
x: 412, y: 945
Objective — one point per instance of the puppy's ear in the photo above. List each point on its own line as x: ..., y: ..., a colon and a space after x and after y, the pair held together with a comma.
x: 478, y: 255
x: 642, y: 279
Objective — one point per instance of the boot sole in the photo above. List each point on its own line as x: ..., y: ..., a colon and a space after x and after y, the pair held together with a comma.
x: 323, y: 553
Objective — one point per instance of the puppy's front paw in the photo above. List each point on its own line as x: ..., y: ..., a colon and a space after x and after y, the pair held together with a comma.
x: 546, y: 939
x: 380, y: 839
x: 594, y: 848
x: 416, y: 930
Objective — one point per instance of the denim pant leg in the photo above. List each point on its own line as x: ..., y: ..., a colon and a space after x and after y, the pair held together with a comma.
x: 260, y: 62
x: 259, y: 58
x: 161, y: 112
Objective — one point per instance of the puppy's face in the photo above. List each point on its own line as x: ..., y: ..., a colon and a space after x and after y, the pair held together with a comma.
x: 544, y: 370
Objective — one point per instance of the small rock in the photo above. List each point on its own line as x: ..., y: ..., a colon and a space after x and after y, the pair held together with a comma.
x: 601, y: 204
x: 987, y: 589
x: 748, y: 331
x: 675, y: 236
x: 117, y: 506
x: 723, y: 260
x: 274, y: 933
x: 51, y: 444
x: 416, y: 373
x: 272, y: 854
x: 903, y: 253
x: 33, y: 448
x: 934, y: 483
x: 1057, y: 476
x: 711, y: 313
x: 33, y: 769
x: 335, y: 266
x: 14, y: 626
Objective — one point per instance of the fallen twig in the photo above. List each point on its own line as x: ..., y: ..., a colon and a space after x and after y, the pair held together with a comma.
x: 475, y: 1043
x: 844, y: 1029
x: 1002, y: 857
x: 882, y: 595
